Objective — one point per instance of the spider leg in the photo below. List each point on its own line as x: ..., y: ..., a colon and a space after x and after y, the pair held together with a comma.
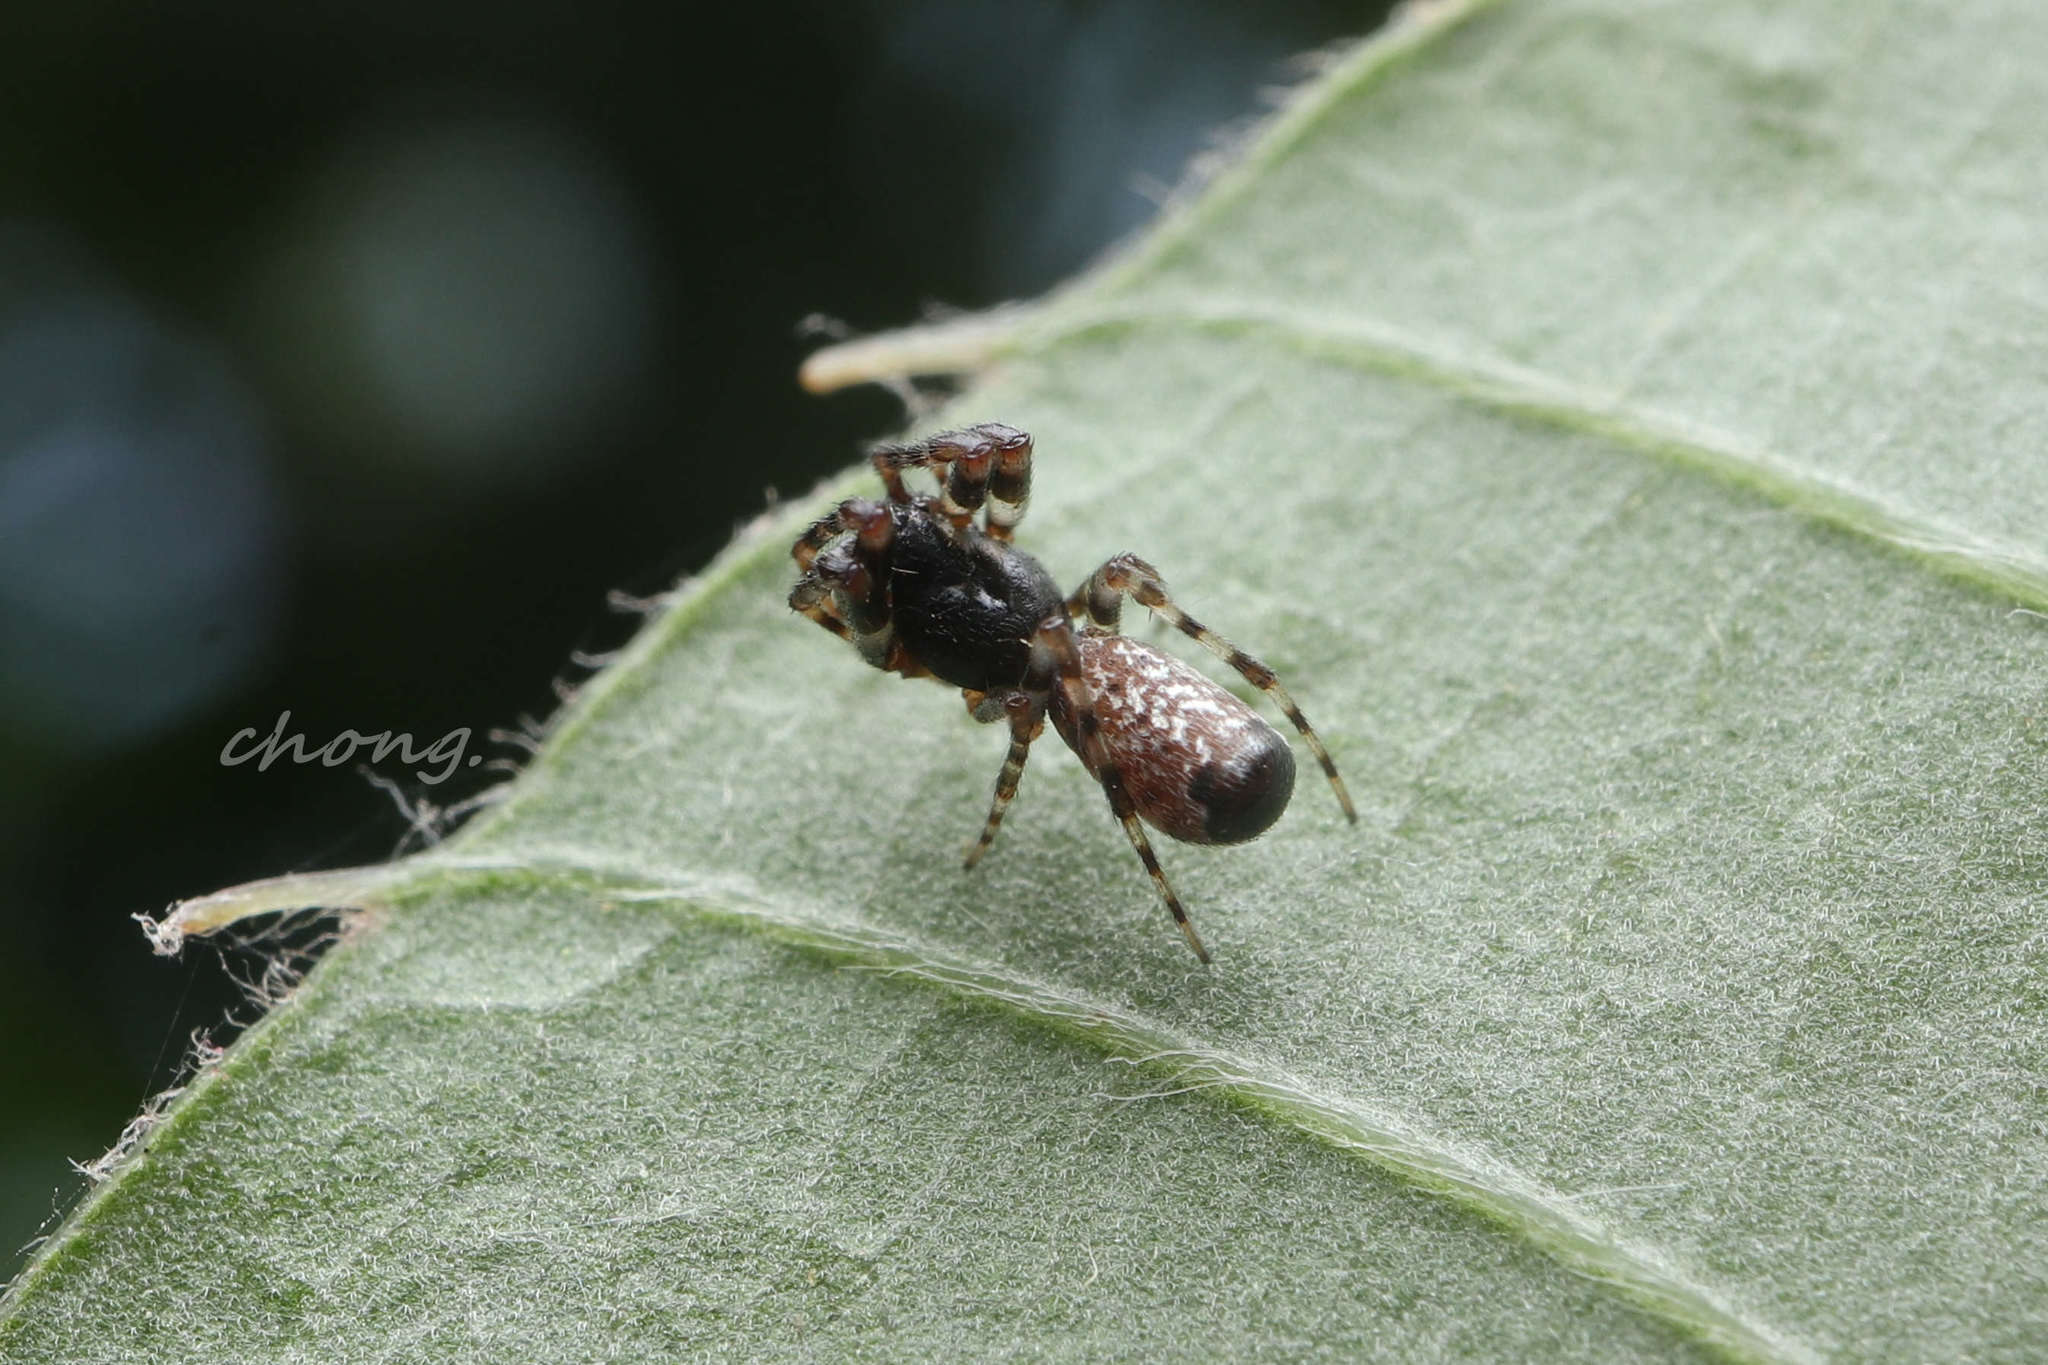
x: 973, y: 465
x: 1009, y: 487
x: 1056, y: 636
x: 812, y: 596
x: 1027, y: 721
x: 816, y: 537
x: 845, y: 583
x: 1101, y: 597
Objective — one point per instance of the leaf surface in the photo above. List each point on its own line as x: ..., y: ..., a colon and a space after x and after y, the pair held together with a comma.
x: 1619, y: 426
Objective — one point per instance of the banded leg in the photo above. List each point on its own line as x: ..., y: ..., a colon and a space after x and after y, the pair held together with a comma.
x: 816, y: 537
x: 960, y: 460
x: 1101, y: 597
x: 1009, y: 487
x: 845, y: 584
x: 990, y: 463
x: 1027, y: 723
x: 1058, y: 636
x: 812, y: 596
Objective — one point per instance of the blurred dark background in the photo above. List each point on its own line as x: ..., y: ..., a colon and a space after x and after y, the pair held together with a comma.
x: 349, y: 355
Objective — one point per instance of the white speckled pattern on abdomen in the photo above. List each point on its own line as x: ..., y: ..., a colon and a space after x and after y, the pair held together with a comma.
x: 1163, y: 723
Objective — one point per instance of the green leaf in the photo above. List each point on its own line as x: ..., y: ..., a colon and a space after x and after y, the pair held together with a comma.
x: 1620, y: 426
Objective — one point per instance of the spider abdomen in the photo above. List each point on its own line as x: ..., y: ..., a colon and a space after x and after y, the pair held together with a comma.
x: 1198, y: 763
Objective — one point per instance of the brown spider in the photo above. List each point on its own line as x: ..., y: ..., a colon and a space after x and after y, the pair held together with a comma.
x: 921, y: 591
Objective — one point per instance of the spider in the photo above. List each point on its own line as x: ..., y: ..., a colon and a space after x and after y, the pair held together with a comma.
x: 922, y: 591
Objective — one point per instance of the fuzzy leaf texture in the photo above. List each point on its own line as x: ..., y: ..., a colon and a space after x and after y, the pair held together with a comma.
x: 1621, y: 425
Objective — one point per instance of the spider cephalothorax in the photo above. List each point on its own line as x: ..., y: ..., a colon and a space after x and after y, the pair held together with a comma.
x: 922, y: 591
